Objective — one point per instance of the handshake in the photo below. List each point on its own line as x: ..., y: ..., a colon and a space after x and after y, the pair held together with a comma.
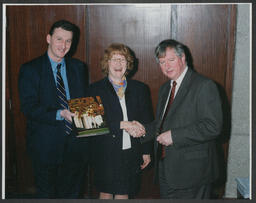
x: 134, y: 128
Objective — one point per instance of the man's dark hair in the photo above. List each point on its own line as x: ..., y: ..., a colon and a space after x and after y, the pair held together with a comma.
x: 172, y: 44
x: 68, y: 26
x: 178, y: 47
x: 64, y: 24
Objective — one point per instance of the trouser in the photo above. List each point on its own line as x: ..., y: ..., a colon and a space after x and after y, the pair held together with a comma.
x: 63, y: 181
x: 167, y: 192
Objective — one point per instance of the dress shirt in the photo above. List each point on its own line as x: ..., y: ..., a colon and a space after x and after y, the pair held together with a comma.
x: 65, y: 81
x: 126, y: 137
x: 178, y: 81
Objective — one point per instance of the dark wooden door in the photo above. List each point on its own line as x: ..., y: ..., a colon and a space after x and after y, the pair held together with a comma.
x: 208, y: 30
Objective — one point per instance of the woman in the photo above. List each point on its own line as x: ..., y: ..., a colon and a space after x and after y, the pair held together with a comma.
x: 118, y: 158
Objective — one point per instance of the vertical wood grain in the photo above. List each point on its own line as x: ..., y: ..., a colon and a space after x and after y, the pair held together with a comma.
x: 141, y: 28
x: 208, y: 31
x: 204, y: 29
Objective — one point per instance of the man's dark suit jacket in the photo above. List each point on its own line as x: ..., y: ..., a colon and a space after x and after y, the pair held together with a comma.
x: 46, y: 138
x: 195, y: 121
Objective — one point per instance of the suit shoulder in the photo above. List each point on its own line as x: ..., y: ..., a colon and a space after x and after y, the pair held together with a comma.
x: 97, y: 84
x: 34, y: 61
x: 96, y: 88
x: 137, y: 84
x: 77, y: 61
x: 34, y: 65
x: 167, y: 83
x: 200, y: 82
x: 197, y: 77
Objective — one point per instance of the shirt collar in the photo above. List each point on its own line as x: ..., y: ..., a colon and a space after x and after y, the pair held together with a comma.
x: 54, y: 63
x: 180, y: 78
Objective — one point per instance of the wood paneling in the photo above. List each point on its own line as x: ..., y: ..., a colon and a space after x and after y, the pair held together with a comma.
x: 139, y: 27
x: 208, y: 31
x: 27, y: 27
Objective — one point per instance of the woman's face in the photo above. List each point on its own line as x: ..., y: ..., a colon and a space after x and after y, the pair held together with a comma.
x: 116, y: 67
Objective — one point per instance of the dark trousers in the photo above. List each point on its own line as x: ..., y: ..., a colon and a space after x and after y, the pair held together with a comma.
x: 167, y: 192
x: 63, y: 181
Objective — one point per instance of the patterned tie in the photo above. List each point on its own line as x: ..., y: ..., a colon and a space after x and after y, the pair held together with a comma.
x: 61, y: 92
x: 165, y: 114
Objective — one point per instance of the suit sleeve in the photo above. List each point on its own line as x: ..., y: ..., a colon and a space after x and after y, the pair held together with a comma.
x: 29, y: 88
x: 207, y: 123
x: 151, y: 127
x: 147, y: 117
x: 82, y: 78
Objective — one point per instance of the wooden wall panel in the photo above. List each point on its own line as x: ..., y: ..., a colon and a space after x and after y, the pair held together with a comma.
x: 10, y: 158
x: 208, y: 30
x: 27, y: 27
x: 139, y: 27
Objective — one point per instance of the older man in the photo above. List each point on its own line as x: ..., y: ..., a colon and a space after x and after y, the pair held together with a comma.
x: 188, y: 121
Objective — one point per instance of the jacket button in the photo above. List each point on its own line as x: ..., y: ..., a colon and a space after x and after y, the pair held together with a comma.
x: 113, y: 136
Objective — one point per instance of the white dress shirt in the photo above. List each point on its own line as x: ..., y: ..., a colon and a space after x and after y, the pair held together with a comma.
x: 178, y: 81
x: 126, y: 137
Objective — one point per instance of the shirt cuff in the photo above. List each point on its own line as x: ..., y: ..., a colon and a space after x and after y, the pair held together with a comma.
x: 58, y: 116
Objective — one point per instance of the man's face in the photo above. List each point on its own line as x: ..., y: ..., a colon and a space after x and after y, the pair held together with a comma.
x: 171, y: 65
x: 59, y: 44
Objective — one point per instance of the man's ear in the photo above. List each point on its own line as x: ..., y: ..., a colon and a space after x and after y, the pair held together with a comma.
x: 48, y: 38
x: 183, y: 58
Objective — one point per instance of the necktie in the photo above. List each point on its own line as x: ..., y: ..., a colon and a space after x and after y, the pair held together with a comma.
x: 165, y: 113
x: 61, y: 93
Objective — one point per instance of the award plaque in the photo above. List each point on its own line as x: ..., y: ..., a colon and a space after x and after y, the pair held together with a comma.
x: 89, y: 116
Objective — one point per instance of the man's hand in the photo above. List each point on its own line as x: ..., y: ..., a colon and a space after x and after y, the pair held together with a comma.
x: 165, y: 138
x: 67, y: 115
x: 146, y: 161
x: 134, y: 128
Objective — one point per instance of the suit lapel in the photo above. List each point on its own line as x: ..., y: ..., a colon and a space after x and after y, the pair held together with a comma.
x: 129, y: 100
x: 113, y: 101
x: 163, y: 99
x: 49, y: 81
x: 161, y: 104
x: 70, y: 74
x: 183, y: 90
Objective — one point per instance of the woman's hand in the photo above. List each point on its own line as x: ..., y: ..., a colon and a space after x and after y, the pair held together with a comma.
x: 146, y: 161
x: 134, y: 128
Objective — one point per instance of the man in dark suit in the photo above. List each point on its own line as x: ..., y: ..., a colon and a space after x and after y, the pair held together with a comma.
x: 59, y: 158
x: 186, y: 131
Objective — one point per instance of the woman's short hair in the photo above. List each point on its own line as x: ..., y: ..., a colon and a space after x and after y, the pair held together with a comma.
x: 117, y: 48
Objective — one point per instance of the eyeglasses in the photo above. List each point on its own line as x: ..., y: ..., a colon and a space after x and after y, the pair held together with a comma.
x: 163, y: 62
x: 118, y: 60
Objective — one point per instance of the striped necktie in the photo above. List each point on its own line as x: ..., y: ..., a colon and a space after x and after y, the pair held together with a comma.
x: 62, y: 98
